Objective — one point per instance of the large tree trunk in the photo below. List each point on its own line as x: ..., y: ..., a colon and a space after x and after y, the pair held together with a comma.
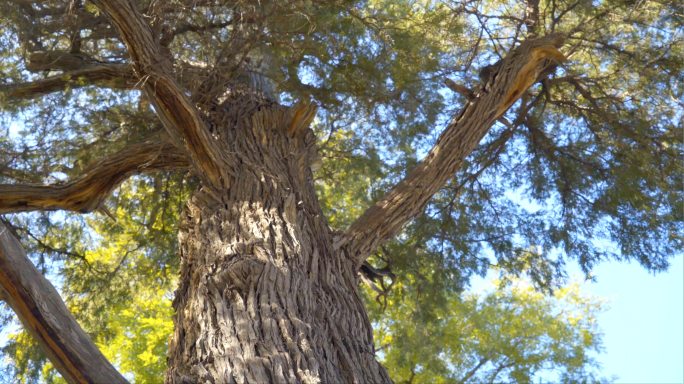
x: 265, y: 295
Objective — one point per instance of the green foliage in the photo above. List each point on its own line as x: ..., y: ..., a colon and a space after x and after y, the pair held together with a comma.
x: 140, y: 335
x: 509, y: 334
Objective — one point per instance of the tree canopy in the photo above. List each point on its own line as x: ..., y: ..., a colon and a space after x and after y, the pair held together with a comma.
x: 584, y: 168
x: 510, y: 335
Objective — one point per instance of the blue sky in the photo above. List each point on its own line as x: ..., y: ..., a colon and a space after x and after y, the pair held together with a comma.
x: 643, y: 328
x: 643, y: 337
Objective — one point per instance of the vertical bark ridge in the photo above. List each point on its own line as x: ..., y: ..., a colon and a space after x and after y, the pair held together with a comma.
x: 264, y: 295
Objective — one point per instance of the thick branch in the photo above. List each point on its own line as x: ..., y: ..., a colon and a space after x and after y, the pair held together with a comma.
x: 409, y: 198
x: 60, y: 61
x: 44, y: 315
x: 115, y: 76
x: 87, y: 192
x: 79, y: 71
x: 181, y: 119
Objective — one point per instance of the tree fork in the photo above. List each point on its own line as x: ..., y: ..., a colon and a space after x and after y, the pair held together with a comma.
x: 268, y: 292
x: 264, y: 293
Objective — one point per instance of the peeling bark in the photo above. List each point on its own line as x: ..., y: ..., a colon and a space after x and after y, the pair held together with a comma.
x: 43, y: 314
x: 87, y: 192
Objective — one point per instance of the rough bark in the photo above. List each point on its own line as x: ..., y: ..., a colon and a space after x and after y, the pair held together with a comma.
x: 44, y: 315
x: 87, y: 192
x: 507, y: 82
x: 265, y: 293
x: 107, y: 76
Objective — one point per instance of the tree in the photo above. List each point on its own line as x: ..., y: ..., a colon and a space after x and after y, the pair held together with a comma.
x: 267, y: 288
x: 510, y: 334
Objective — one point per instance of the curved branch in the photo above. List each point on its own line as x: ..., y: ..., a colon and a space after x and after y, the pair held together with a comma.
x: 507, y: 82
x: 181, y: 119
x: 44, y: 315
x: 87, y: 192
x: 79, y: 71
x: 118, y: 76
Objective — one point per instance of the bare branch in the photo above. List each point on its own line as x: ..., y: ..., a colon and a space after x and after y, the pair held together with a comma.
x: 479, y: 365
x: 87, y: 192
x: 517, y: 71
x: 168, y: 37
x: 44, y: 315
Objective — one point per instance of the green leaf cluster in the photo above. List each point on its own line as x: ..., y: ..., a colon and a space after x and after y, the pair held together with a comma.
x: 511, y: 333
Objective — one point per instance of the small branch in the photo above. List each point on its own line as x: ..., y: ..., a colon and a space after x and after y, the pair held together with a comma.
x: 370, y: 275
x: 500, y: 368
x: 168, y: 37
x: 87, y: 192
x: 469, y: 94
x: 479, y: 365
x: 413, y: 375
x: 43, y: 314
x: 460, y: 89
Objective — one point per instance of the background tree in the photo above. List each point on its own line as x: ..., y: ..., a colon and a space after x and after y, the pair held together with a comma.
x: 587, y: 155
x: 509, y: 334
